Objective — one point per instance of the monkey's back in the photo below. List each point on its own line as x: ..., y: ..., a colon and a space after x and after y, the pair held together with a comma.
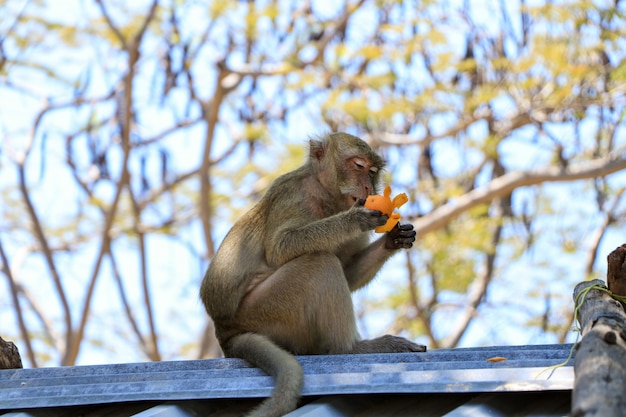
x: 232, y: 266
x: 241, y: 258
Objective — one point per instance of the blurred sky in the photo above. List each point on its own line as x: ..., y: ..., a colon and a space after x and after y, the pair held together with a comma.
x: 179, y: 314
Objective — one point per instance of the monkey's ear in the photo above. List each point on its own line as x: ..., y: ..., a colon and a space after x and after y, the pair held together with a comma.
x: 317, y: 149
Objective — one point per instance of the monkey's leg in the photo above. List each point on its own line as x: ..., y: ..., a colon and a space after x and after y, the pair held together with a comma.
x: 304, y: 307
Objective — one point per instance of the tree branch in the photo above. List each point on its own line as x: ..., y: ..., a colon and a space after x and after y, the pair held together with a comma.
x: 112, y: 25
x: 47, y: 253
x: 414, y: 302
x: 125, y: 114
x: 505, y: 184
x: 16, y: 306
x: 477, y: 290
x: 127, y: 309
x: 153, y: 351
x: 211, y: 114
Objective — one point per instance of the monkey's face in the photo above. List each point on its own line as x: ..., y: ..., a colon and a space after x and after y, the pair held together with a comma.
x: 358, y: 179
x: 346, y: 167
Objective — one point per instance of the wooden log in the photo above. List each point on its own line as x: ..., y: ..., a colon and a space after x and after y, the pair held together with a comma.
x: 9, y: 355
x: 616, y: 271
x: 600, y: 363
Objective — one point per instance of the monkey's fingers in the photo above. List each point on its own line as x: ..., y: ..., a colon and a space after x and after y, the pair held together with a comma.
x: 403, y: 243
x: 402, y: 236
x: 406, y: 232
x: 383, y: 218
x: 403, y: 230
x: 406, y: 226
x: 409, y: 238
x: 368, y: 219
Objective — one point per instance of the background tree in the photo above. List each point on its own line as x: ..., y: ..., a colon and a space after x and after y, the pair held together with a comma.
x: 135, y: 134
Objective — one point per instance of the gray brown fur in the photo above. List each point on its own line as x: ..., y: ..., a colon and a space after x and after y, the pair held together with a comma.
x: 281, y: 282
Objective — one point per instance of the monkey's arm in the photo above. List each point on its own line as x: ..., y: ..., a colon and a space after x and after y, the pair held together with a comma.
x: 364, y: 266
x: 328, y: 234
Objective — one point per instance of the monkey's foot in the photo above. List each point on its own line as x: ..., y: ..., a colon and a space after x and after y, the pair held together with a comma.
x: 388, y: 344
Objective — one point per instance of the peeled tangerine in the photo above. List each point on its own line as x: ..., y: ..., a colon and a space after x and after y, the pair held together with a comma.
x: 386, y: 205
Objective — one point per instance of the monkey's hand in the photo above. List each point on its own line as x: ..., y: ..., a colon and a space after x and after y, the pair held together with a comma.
x: 401, y: 236
x: 366, y: 219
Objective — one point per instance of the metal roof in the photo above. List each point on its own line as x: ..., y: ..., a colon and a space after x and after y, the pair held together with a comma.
x: 494, y: 381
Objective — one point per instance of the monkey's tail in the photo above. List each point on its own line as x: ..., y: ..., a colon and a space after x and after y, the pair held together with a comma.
x: 261, y: 352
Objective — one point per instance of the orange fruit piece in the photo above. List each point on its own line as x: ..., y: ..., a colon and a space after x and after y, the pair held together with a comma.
x: 386, y: 205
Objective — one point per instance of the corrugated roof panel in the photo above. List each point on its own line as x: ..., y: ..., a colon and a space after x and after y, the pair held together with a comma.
x: 454, y: 371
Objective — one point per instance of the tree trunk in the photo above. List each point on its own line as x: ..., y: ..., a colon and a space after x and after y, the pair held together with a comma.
x: 9, y: 355
x: 599, y: 367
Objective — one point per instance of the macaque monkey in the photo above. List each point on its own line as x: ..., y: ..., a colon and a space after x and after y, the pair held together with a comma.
x: 280, y: 283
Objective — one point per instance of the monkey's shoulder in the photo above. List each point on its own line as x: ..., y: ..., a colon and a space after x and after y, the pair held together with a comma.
x: 299, y: 195
x: 290, y: 184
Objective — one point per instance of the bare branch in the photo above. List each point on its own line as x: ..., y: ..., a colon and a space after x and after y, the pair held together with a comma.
x: 105, y: 242
x: 47, y: 253
x: 340, y: 26
x: 47, y: 325
x: 153, y: 351
x: 414, y: 301
x: 112, y: 25
x: 174, y: 129
x: 211, y: 115
x: 477, y: 290
x: 8, y: 32
x: 126, y: 115
x: 402, y: 139
x: 16, y: 307
x: 505, y: 184
x: 127, y: 309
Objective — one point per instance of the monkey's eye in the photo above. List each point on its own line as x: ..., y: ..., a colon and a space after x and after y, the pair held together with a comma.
x: 359, y: 163
x: 373, y: 171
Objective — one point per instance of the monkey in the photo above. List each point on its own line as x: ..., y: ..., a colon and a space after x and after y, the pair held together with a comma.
x: 280, y: 283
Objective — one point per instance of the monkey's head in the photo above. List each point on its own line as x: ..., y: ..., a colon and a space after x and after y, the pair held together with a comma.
x: 346, y: 166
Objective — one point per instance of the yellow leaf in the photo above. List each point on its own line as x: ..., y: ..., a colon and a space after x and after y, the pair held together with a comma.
x: 370, y: 52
